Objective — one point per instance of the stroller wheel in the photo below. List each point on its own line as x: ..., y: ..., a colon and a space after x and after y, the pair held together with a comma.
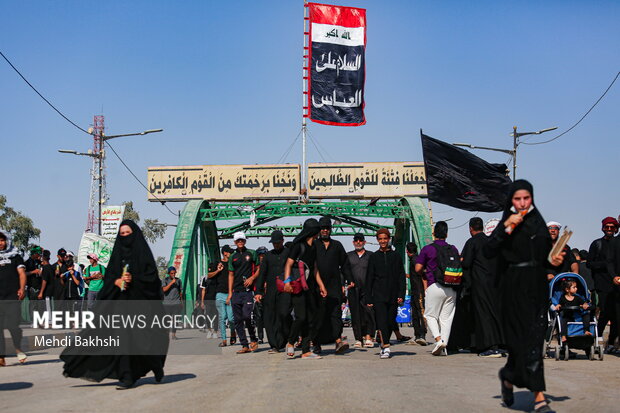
x: 557, y: 353
x: 600, y: 353
x: 566, y: 353
x: 590, y: 353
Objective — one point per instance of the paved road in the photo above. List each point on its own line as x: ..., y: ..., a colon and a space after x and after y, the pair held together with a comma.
x: 412, y: 380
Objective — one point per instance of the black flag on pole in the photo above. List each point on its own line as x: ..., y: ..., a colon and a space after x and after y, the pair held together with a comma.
x: 457, y: 178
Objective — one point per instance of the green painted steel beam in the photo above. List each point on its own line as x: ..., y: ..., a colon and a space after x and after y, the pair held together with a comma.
x: 293, y: 230
x: 228, y: 211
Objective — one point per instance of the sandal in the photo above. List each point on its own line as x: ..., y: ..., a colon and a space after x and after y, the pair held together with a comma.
x: 507, y: 393
x: 2, y: 362
x: 311, y: 355
x: 290, y: 351
x: 21, y: 357
x: 542, y: 407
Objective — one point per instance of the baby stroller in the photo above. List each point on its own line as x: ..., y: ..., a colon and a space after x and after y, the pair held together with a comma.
x: 575, y: 337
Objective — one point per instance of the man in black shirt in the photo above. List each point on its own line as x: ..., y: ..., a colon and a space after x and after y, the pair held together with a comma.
x: 72, y: 287
x: 385, y: 287
x: 361, y: 315
x: 258, y: 306
x: 333, y: 264
x: 208, y: 291
x: 12, y: 289
x: 581, y: 256
x: 224, y: 310
x: 33, y: 276
x: 241, y: 277
x: 276, y: 305
x: 60, y: 268
x: 417, y: 287
x: 601, y: 260
x: 479, y: 279
x: 47, y: 281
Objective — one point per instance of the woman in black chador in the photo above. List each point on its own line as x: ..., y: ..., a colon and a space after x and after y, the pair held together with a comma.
x: 131, y: 286
x: 521, y: 243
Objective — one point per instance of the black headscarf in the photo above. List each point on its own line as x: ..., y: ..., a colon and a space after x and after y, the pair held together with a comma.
x: 531, y: 235
x: 133, y: 251
x: 533, y: 222
x: 311, y: 228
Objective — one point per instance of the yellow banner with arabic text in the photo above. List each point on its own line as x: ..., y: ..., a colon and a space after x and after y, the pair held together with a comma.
x: 366, y: 180
x: 223, y: 182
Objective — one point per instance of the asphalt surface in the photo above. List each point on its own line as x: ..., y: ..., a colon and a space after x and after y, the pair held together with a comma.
x: 412, y: 380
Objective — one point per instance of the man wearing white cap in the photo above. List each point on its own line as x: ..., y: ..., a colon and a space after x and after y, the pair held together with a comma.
x: 570, y: 264
x: 242, y: 273
x: 93, y: 276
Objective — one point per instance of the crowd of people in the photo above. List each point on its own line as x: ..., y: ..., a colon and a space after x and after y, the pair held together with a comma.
x: 492, y: 298
x: 62, y: 285
x: 248, y: 290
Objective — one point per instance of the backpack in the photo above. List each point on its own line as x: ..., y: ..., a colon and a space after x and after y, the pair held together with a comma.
x: 449, y: 271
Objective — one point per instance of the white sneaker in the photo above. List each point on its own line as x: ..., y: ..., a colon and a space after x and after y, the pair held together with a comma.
x: 369, y: 344
x: 439, y: 347
x: 358, y: 344
x: 385, y: 353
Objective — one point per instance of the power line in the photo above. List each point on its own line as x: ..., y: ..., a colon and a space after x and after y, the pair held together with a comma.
x: 317, y: 148
x: 286, y: 153
x: 579, y: 121
x: 43, y: 97
x: 321, y: 146
x: 82, y: 129
x: 466, y: 222
x: 139, y: 181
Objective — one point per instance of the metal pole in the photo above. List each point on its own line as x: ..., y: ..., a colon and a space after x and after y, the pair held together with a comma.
x: 100, y: 160
x: 305, y: 100
x: 100, y: 179
x: 514, y: 153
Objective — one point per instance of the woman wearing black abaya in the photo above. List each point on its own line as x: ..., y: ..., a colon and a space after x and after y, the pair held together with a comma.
x: 131, y: 276
x: 521, y: 243
x: 304, y: 303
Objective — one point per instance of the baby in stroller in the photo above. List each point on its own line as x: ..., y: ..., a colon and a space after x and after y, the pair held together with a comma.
x: 570, y: 306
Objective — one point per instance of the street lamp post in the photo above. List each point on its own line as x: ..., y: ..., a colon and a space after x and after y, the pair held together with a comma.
x: 515, y: 144
x: 100, y: 156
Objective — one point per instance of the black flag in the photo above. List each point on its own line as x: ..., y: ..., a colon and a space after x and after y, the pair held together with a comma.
x: 457, y: 178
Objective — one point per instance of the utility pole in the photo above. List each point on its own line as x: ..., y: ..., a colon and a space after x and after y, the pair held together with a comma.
x: 512, y: 152
x: 98, y: 155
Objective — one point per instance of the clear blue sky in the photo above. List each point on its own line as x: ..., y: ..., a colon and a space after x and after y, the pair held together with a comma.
x: 224, y: 81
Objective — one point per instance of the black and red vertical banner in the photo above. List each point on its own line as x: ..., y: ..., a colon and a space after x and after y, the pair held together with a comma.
x: 337, y: 65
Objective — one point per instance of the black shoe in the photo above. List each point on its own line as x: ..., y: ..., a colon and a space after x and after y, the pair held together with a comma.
x: 125, y: 385
x: 508, y: 396
x: 341, y: 347
x: 317, y: 350
x: 159, y: 375
x: 260, y: 341
x: 402, y: 339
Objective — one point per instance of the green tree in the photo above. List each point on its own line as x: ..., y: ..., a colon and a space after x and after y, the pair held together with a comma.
x: 152, y: 228
x: 162, y: 266
x: 20, y: 227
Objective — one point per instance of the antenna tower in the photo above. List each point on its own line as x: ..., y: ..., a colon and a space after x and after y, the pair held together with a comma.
x: 98, y: 194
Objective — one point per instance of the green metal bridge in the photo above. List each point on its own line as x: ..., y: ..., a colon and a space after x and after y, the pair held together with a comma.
x: 196, y: 241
